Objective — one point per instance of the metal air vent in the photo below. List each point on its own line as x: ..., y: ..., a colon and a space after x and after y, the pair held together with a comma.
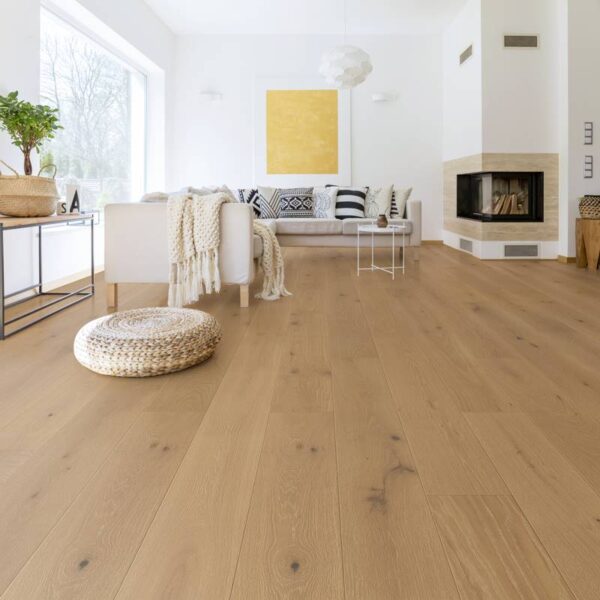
x: 521, y: 41
x: 466, y: 55
x: 466, y: 245
x: 521, y: 251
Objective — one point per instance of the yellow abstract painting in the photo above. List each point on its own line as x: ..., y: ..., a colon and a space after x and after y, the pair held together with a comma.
x: 302, y: 132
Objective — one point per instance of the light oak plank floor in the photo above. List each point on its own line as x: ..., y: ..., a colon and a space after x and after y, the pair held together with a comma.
x: 436, y: 437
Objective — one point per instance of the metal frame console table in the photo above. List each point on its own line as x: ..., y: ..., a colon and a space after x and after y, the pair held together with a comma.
x: 79, y: 295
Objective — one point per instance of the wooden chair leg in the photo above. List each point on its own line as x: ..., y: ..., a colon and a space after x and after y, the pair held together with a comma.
x: 244, y: 296
x: 112, y: 295
x: 416, y: 252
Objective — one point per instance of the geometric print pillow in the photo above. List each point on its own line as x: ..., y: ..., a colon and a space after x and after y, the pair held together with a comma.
x: 399, y: 200
x: 250, y: 196
x: 296, y: 202
x: 268, y: 199
x: 324, y: 202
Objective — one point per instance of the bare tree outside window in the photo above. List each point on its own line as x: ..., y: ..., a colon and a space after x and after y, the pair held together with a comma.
x: 96, y: 95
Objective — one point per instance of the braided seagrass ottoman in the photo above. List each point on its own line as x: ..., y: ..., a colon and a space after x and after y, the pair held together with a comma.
x: 147, y: 341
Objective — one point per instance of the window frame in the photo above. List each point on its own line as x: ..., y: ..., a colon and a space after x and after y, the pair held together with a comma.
x: 64, y: 17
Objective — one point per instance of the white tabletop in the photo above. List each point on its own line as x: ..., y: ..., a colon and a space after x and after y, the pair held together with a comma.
x: 388, y: 229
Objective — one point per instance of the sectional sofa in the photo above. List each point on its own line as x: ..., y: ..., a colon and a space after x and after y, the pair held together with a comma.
x: 136, y: 241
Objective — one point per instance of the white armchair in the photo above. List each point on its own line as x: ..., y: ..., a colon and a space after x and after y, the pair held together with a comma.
x: 136, y: 247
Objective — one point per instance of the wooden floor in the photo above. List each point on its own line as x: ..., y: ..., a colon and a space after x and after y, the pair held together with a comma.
x: 435, y: 437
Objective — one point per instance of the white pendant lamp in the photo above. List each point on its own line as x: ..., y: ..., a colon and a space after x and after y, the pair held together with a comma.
x: 345, y: 66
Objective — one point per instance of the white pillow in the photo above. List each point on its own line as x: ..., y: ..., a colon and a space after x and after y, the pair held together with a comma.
x: 324, y: 202
x: 207, y: 191
x: 155, y: 197
x: 378, y: 202
x: 399, y: 201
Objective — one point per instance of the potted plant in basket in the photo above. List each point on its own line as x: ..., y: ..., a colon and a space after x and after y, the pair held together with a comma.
x: 29, y: 126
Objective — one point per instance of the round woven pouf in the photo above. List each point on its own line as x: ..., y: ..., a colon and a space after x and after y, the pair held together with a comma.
x: 147, y: 341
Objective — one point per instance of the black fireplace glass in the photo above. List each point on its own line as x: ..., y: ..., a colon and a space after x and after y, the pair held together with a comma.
x: 510, y: 196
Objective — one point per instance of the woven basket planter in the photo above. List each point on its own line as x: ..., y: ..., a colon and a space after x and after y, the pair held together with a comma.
x: 147, y: 341
x: 589, y: 207
x: 27, y: 195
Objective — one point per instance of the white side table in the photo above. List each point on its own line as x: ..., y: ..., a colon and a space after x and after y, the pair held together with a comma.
x: 392, y: 230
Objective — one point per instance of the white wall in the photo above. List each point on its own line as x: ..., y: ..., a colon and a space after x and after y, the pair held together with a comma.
x: 463, y: 91
x: 581, y: 102
x: 521, y: 85
x: 397, y: 142
x: 133, y: 22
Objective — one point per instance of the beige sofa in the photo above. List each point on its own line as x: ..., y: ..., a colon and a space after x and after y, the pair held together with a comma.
x: 136, y: 242
x: 336, y: 232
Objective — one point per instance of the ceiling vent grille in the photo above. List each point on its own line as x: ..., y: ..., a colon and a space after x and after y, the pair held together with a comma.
x: 466, y: 55
x: 520, y: 41
x: 466, y: 245
x: 521, y: 251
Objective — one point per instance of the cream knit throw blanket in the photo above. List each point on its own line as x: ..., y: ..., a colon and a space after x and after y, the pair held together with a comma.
x: 194, y: 239
x: 272, y: 264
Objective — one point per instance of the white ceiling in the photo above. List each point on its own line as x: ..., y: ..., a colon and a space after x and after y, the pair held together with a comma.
x: 305, y: 16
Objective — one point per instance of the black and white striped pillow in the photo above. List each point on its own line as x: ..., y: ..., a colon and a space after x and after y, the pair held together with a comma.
x: 399, y: 201
x: 250, y: 196
x: 350, y: 203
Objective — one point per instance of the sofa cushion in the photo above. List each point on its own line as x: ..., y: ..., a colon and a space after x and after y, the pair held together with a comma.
x: 309, y: 226
x: 250, y: 196
x: 269, y: 202
x: 350, y: 203
x: 257, y: 246
x: 350, y: 225
x: 399, y: 199
x: 378, y: 202
x: 324, y: 202
x: 270, y: 223
x: 296, y: 203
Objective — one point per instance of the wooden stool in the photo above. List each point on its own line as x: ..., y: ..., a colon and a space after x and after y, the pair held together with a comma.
x: 588, y: 243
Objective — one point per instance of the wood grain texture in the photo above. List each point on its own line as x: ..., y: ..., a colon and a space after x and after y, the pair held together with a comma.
x: 194, y: 541
x: 493, y: 551
x: 562, y: 508
x: 386, y: 524
x: 461, y: 402
x: 291, y: 546
x: 90, y: 549
x: 588, y: 243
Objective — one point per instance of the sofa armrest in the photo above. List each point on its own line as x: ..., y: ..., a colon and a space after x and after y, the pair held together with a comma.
x: 414, y: 214
x: 136, y: 243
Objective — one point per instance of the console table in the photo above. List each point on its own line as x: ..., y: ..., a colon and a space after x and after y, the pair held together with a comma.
x: 39, y: 223
x: 588, y: 243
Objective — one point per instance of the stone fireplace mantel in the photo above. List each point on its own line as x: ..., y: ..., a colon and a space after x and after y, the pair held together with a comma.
x: 542, y: 231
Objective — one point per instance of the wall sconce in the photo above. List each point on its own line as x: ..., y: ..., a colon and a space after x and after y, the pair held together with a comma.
x: 211, y: 97
x: 384, y: 97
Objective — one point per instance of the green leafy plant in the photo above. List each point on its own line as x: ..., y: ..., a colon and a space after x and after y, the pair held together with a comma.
x: 28, y: 125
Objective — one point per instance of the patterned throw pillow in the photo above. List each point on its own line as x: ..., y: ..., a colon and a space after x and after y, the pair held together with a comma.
x: 399, y: 200
x: 378, y: 202
x: 269, y: 202
x: 296, y: 202
x: 324, y: 202
x: 350, y: 203
x: 250, y: 196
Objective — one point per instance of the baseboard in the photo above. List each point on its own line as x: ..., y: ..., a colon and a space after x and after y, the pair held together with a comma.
x: 432, y: 242
x: 58, y: 283
x: 566, y: 260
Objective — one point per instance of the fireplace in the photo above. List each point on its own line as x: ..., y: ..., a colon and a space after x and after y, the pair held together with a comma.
x: 508, y: 197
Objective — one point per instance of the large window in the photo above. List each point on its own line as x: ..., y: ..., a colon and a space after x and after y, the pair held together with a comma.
x: 102, y: 107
